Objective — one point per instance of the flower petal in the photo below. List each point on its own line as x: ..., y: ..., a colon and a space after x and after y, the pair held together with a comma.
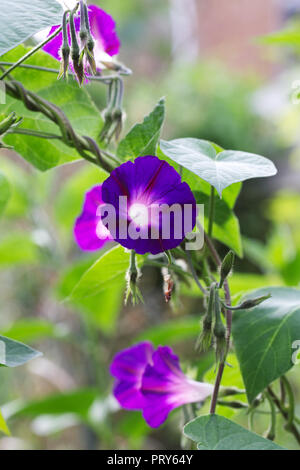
x: 165, y: 387
x: 153, y: 183
x: 128, y: 367
x: 89, y: 232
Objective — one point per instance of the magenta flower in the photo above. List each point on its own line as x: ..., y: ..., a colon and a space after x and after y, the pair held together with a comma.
x: 103, y: 29
x: 152, y: 381
x: 153, y: 208
x: 89, y: 232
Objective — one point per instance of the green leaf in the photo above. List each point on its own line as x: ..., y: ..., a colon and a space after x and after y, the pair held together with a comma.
x: 74, y: 401
x: 213, y: 432
x: 4, y: 192
x: 264, y: 336
x: 218, y: 169
x: 101, y: 309
x: 142, y: 139
x: 106, y: 273
x: 74, y: 101
x: 17, y: 249
x: 33, y: 329
x: 25, y: 18
x: 286, y: 37
x: 3, y: 425
x: 171, y: 331
x: 13, y: 353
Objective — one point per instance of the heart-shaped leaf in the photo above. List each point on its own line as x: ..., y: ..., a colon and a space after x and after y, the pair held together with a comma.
x: 13, y: 353
x: 218, y: 169
x: 142, y: 138
x: 266, y: 336
x: 215, y: 432
x: 25, y: 18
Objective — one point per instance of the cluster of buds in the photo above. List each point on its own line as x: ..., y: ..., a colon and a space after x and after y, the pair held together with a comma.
x: 213, y: 327
x: 113, y: 115
x: 82, y: 56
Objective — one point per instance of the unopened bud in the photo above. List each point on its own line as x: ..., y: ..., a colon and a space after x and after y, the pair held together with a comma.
x: 250, y: 303
x: 132, y: 276
x: 204, y: 340
x: 219, y: 330
x: 226, y: 267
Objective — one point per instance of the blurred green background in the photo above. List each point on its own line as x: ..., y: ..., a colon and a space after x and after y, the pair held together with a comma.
x: 221, y: 83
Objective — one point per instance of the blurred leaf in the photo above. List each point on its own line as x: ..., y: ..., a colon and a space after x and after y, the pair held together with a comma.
x: 13, y: 353
x: 171, y: 332
x: 75, y: 401
x: 26, y: 18
x: 102, y: 309
x: 73, y: 100
x: 4, y: 192
x: 218, y: 169
x: 17, y: 249
x: 3, y: 425
x: 263, y: 337
x: 215, y: 432
x: 47, y: 425
x: 106, y: 273
x: 32, y: 329
x: 142, y: 139
x: 286, y: 37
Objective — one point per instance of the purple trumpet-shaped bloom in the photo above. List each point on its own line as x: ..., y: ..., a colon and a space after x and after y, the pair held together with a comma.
x: 103, y: 30
x: 89, y: 232
x: 152, y: 381
x: 153, y: 208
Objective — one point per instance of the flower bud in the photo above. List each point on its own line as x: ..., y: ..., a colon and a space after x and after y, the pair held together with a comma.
x: 250, y: 303
x: 204, y: 340
x: 75, y: 51
x: 219, y: 330
x: 132, y: 276
x: 226, y: 267
x: 65, y: 50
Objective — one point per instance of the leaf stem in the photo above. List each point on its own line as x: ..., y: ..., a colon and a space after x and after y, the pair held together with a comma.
x: 271, y: 433
x: 292, y: 429
x: 211, y: 212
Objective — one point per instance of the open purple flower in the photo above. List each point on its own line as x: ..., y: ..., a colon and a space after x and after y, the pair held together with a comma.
x: 89, y: 232
x: 153, y: 382
x: 103, y: 30
x: 153, y: 208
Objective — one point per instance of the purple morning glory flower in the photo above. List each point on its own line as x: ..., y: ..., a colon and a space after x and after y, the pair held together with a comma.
x: 154, y: 209
x: 103, y: 29
x: 152, y: 381
x: 89, y: 232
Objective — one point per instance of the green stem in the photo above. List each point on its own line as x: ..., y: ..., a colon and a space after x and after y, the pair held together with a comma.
x: 42, y: 135
x: 271, y: 433
x: 291, y: 401
x: 292, y: 429
x: 105, y: 78
x: 211, y: 212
